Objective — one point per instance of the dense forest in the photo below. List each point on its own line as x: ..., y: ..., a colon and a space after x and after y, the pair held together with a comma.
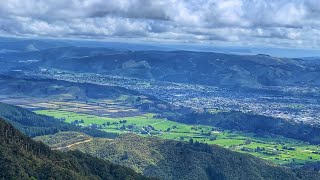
x: 33, y: 124
x: 24, y: 158
x: 258, y: 124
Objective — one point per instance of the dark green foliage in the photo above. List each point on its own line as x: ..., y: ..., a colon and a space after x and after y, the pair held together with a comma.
x: 172, y: 160
x: 23, y: 158
x: 258, y: 124
x: 312, y: 166
x: 33, y: 124
x: 213, y: 175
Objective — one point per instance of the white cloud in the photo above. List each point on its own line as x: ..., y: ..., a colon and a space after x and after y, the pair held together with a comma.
x: 257, y: 21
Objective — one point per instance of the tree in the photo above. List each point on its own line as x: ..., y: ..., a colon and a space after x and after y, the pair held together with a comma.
x: 191, y: 141
x: 197, y: 144
x: 125, y: 156
x: 123, y: 127
x: 213, y: 174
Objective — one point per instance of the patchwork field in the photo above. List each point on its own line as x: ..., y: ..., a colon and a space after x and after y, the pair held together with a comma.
x: 103, y: 107
x: 276, y: 149
x: 119, y: 115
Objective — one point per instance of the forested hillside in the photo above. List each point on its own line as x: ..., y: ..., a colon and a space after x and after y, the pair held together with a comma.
x: 23, y: 158
x: 172, y: 160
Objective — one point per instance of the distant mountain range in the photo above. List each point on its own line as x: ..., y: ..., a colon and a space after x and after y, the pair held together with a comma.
x: 206, y: 68
x: 24, y: 44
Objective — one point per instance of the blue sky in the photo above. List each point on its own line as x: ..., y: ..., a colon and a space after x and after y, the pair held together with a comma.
x: 252, y: 23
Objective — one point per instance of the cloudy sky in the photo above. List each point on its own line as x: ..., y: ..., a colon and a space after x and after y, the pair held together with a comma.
x: 280, y: 23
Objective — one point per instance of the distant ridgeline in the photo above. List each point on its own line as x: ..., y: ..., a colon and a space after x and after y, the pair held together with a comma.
x: 52, y: 89
x: 24, y: 158
x: 206, y: 68
x: 33, y: 124
x: 258, y: 124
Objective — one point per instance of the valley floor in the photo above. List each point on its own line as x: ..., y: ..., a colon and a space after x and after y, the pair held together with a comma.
x: 277, y: 149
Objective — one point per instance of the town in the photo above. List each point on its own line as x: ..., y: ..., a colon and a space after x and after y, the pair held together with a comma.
x: 299, y: 104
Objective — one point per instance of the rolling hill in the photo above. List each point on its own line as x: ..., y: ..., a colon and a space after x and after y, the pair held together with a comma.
x: 54, y: 89
x: 23, y: 158
x: 168, y: 159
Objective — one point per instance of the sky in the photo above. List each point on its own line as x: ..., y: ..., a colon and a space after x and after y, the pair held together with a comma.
x: 263, y: 23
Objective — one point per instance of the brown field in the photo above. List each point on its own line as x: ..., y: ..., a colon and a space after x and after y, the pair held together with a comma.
x: 104, y: 107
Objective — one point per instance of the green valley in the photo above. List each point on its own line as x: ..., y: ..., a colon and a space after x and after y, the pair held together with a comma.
x: 277, y: 149
x: 168, y: 90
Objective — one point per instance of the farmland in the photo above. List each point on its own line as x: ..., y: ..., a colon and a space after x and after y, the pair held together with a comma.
x: 276, y: 149
x: 117, y: 107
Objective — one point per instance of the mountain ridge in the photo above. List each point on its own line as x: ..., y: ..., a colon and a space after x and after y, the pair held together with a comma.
x: 207, y: 68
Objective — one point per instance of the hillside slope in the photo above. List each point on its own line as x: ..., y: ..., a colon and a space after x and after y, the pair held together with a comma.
x: 168, y: 159
x: 45, y: 90
x: 23, y: 158
x: 54, y: 89
x: 178, y: 66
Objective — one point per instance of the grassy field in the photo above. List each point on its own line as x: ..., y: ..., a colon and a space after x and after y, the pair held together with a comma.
x: 276, y: 149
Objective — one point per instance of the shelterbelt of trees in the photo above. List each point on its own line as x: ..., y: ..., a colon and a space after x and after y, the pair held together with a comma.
x: 258, y: 124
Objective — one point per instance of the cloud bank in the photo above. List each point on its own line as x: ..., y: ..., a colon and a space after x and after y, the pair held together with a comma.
x: 294, y: 23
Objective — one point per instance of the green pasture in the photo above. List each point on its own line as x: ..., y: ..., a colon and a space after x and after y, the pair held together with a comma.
x: 269, y: 148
